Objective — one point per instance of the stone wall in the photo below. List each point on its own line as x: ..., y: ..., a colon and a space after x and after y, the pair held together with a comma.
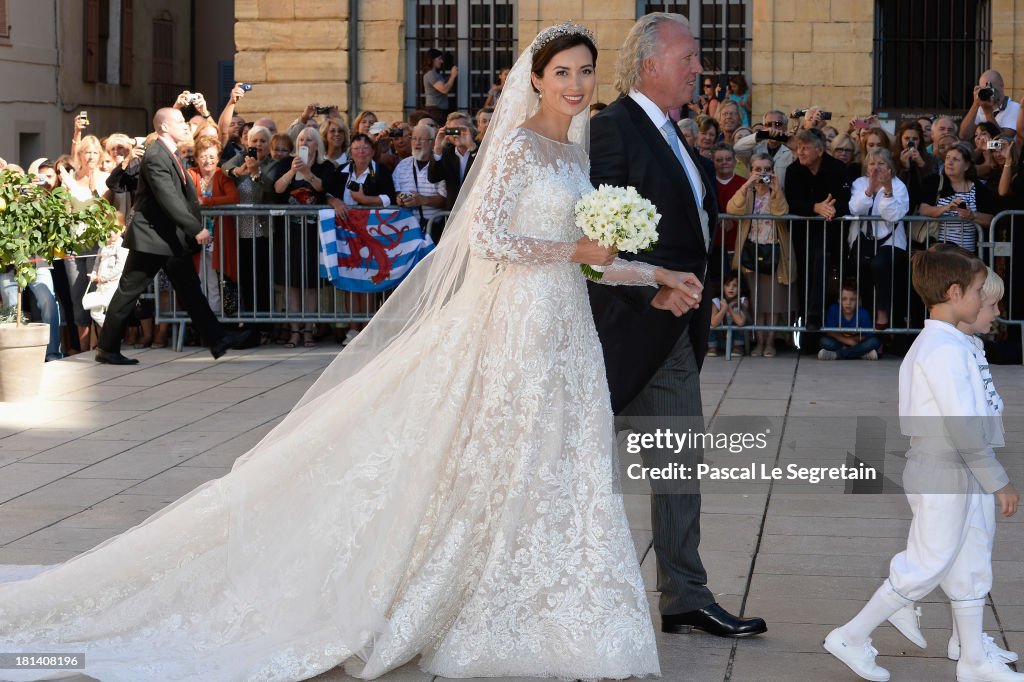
x: 293, y: 52
x: 803, y: 52
x: 806, y: 53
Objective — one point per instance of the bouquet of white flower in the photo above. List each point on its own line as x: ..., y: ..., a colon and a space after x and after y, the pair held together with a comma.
x: 619, y: 218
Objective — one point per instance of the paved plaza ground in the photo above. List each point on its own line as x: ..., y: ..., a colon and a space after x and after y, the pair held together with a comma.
x: 108, y: 446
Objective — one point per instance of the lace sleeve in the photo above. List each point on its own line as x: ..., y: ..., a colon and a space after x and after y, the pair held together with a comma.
x: 502, y: 182
x: 634, y: 272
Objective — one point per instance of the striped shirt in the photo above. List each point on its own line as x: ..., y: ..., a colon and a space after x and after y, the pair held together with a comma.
x: 959, y: 232
x: 414, y: 180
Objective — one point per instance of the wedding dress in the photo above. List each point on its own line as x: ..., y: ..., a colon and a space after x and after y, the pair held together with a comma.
x: 452, y: 499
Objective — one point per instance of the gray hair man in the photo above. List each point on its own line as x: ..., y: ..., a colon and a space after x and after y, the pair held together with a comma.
x: 412, y: 183
x: 654, y: 340
x: 778, y: 145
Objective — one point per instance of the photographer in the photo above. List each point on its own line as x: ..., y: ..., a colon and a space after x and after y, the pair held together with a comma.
x: 454, y: 151
x: 773, y: 141
x: 990, y: 104
x: 308, y: 118
x: 412, y: 183
x: 914, y: 165
x: 193, y: 108
x: 230, y: 124
x: 435, y: 86
x: 984, y: 134
x: 958, y: 196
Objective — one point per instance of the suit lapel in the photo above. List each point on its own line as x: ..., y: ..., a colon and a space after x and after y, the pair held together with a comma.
x: 658, y: 145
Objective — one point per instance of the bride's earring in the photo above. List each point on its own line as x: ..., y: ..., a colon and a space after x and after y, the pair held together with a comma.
x: 540, y: 94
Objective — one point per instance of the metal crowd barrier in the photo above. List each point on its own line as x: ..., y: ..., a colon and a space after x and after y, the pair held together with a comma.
x: 824, y: 261
x: 263, y: 268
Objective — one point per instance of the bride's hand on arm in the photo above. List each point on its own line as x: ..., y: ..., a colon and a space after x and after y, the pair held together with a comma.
x: 680, y: 292
x: 590, y: 252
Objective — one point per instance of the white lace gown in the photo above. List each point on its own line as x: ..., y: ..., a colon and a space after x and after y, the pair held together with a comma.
x: 473, y: 523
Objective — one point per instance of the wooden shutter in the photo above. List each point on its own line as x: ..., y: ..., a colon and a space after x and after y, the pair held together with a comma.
x: 91, y: 61
x: 5, y: 30
x: 126, y: 42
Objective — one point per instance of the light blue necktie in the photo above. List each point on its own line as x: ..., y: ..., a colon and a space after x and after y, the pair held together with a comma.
x: 672, y: 135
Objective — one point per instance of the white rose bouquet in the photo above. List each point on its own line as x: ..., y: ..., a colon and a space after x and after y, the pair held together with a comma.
x: 619, y: 218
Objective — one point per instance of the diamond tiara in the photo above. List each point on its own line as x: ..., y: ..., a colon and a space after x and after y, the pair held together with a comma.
x: 559, y: 30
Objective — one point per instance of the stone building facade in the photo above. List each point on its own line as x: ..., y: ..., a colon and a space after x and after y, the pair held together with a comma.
x: 798, y: 52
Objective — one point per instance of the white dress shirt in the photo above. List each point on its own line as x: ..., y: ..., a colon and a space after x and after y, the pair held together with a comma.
x: 658, y: 118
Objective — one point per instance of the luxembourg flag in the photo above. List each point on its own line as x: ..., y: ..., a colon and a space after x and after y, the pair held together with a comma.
x: 371, y: 251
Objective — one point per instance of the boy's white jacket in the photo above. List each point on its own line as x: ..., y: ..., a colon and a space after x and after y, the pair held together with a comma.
x: 946, y: 404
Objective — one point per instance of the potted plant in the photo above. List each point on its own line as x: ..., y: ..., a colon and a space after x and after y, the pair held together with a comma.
x: 37, y: 223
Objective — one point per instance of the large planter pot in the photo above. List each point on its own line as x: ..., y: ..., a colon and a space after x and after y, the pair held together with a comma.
x: 22, y: 356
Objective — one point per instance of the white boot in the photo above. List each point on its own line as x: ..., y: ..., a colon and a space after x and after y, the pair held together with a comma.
x: 859, y: 659
x: 908, y: 621
x: 991, y: 648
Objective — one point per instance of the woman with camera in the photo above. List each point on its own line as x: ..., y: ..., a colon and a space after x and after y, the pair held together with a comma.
x: 957, y: 196
x: 365, y: 183
x: 914, y: 164
x: 764, y: 248
x: 878, y: 244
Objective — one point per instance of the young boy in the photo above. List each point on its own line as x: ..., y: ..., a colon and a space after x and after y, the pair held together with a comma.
x: 848, y: 345
x: 907, y: 619
x: 952, y: 478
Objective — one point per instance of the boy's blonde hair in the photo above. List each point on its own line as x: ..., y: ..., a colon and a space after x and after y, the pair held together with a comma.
x: 993, y: 288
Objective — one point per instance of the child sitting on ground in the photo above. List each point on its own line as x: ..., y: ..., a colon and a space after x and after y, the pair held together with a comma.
x: 733, y: 309
x: 952, y: 478
x: 848, y: 345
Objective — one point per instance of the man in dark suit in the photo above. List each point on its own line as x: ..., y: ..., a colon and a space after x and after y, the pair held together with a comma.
x: 165, y: 227
x: 452, y: 159
x: 654, y: 340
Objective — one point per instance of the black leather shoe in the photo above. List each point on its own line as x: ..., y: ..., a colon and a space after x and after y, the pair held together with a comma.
x: 114, y: 358
x: 713, y: 620
x: 245, y: 338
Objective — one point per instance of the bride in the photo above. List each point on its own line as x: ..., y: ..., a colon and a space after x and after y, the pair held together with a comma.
x: 445, y: 489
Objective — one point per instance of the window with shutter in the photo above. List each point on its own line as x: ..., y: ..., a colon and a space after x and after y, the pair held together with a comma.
x: 91, y: 57
x: 127, y: 46
x: 164, y: 89
x: 5, y: 30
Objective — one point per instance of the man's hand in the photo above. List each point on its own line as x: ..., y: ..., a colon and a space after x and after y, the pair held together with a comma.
x: 199, y: 102
x: 827, y: 208
x: 454, y: 71
x: 309, y: 112
x: 237, y: 93
x: 680, y: 292
x: 1008, y: 500
x: 813, y: 117
x: 204, y: 237
x: 980, y: 103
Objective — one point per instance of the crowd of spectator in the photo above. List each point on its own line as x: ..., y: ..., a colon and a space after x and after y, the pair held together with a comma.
x: 796, y: 164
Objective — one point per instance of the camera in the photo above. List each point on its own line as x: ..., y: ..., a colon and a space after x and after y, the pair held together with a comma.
x: 320, y: 111
x: 246, y: 87
x: 140, y: 142
x: 453, y: 131
x: 250, y: 152
x: 986, y: 93
x: 766, y: 135
x: 353, y: 186
x: 766, y: 179
x: 396, y: 132
x: 994, y: 144
x: 911, y: 144
x: 84, y: 116
x: 825, y: 115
